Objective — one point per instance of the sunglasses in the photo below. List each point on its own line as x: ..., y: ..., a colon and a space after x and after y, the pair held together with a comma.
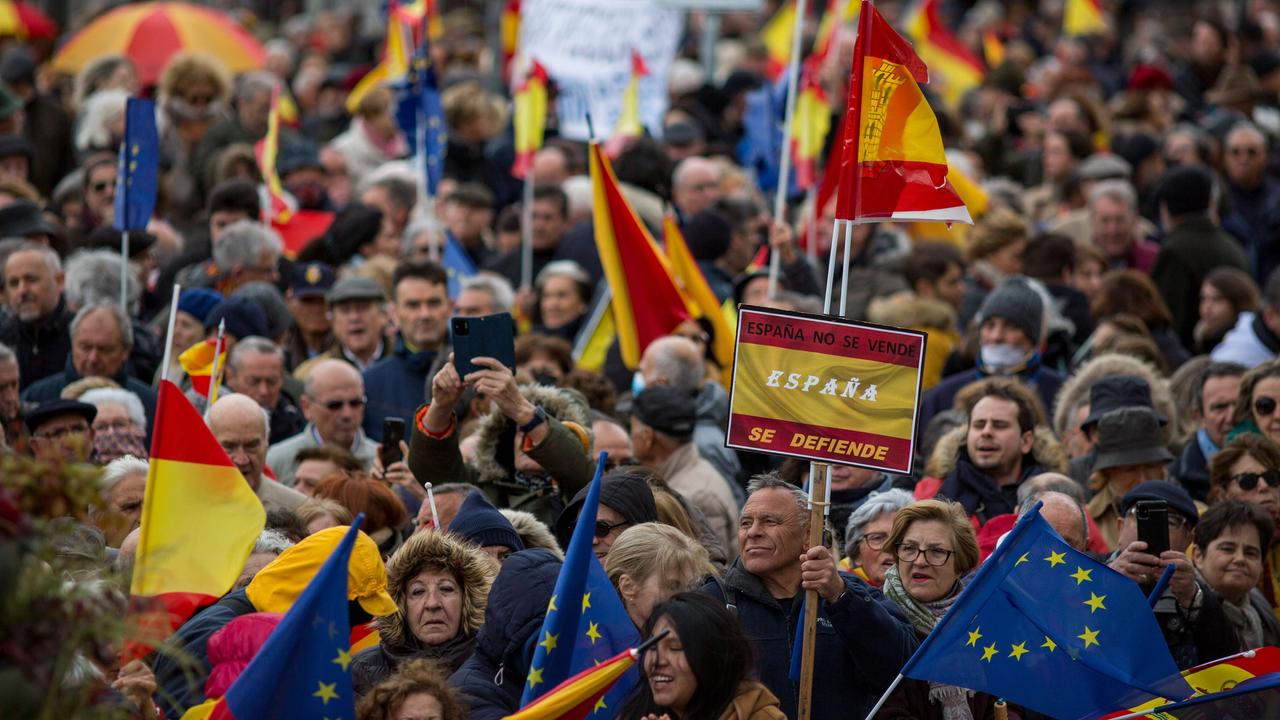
x: 1249, y: 481
x: 1265, y: 405
x: 353, y: 403
x: 101, y: 187
x: 603, y: 528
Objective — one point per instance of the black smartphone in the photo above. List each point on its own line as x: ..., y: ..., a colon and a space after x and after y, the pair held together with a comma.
x: 486, y: 336
x: 1153, y: 525
x: 392, y: 434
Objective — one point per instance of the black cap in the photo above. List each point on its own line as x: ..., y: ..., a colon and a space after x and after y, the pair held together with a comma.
x: 1118, y: 391
x: 298, y: 155
x: 105, y: 237
x: 11, y: 145
x: 708, y: 233
x: 682, y: 134
x: 244, y: 317
x: 55, y: 408
x: 1171, y: 492
x: 626, y: 492
x: 18, y: 65
x: 667, y: 410
x: 1130, y: 436
x: 22, y: 218
x: 309, y: 279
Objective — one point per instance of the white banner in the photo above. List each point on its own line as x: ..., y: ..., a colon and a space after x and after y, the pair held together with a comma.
x: 586, y: 45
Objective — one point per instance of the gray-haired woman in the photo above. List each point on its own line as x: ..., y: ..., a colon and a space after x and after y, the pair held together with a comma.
x: 866, y: 554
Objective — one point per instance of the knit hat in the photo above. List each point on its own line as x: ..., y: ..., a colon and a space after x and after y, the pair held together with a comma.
x: 667, y: 410
x: 480, y: 522
x: 1186, y: 189
x: 243, y: 316
x: 1135, y: 148
x: 199, y: 302
x: 1015, y: 302
x: 1170, y: 492
x: 624, y: 491
x: 708, y: 234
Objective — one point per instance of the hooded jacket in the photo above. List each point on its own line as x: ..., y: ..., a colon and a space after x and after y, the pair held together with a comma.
x: 1249, y: 343
x: 628, y: 495
x: 492, y: 679
x: 564, y: 454
x: 863, y: 639
x: 231, y: 649
x: 424, y: 551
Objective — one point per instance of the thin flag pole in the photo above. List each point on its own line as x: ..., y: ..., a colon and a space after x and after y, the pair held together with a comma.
x: 844, y: 277
x: 526, y: 232
x: 831, y: 265
x: 213, y: 377
x: 431, y: 499
x: 168, y: 336
x: 124, y: 271
x: 889, y: 691
x: 784, y: 168
x: 811, y: 231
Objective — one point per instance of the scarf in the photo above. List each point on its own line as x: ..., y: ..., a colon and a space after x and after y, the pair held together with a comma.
x: 923, y: 616
x: 1244, y: 618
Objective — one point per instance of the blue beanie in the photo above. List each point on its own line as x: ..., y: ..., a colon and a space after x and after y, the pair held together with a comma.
x: 479, y: 522
x: 199, y: 302
x: 243, y: 316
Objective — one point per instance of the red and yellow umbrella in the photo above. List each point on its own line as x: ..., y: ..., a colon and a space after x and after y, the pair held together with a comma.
x: 25, y: 22
x: 151, y: 33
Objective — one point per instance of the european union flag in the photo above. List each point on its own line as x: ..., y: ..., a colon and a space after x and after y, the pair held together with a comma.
x: 420, y: 115
x: 136, y: 176
x: 302, y: 670
x: 762, y: 126
x: 1051, y: 629
x: 586, y: 622
x: 457, y: 263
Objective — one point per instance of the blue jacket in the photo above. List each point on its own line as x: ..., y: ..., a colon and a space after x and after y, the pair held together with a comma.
x: 492, y: 679
x: 397, y: 385
x: 1045, y: 381
x: 51, y: 387
x: 182, y: 671
x: 863, y: 640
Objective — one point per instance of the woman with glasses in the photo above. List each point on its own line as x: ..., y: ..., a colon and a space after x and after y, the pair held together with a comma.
x: 625, y: 501
x: 867, y: 553
x: 1247, y: 469
x: 935, y: 551
x: 1258, y: 406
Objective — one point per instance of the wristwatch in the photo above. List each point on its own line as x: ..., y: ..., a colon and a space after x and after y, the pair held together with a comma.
x: 539, y: 417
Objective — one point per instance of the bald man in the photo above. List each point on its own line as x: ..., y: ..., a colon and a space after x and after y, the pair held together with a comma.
x: 333, y: 403
x: 242, y: 428
x: 695, y: 185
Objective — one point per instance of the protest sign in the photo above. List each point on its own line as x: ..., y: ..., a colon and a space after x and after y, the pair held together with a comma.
x: 586, y: 45
x: 825, y: 389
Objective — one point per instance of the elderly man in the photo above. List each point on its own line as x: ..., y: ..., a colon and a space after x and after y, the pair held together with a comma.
x: 38, y: 324
x: 1213, y: 406
x: 695, y: 185
x: 61, y: 429
x: 359, y: 318
x: 1113, y: 220
x: 1253, y: 195
x: 11, y: 407
x: 863, y: 639
x: 246, y: 252
x: 255, y: 367
x: 101, y: 339
x: 240, y: 426
x: 252, y: 111
x: 483, y: 295
x: 123, y: 485
x: 333, y: 402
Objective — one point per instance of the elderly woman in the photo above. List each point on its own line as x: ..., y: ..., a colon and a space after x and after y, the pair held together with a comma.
x: 651, y: 562
x: 418, y: 690
x: 440, y: 586
x: 120, y: 427
x: 866, y: 536
x: 935, y: 550
x: 1258, y: 404
x: 123, y: 484
x: 1230, y: 541
x: 563, y: 297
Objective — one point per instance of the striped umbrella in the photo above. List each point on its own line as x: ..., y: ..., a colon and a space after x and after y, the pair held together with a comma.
x: 25, y: 21
x: 151, y: 33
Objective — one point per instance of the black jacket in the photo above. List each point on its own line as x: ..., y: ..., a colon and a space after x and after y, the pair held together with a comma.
x: 1192, y: 470
x: 977, y: 491
x: 42, y: 345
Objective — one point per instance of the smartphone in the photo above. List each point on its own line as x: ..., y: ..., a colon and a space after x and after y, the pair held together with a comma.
x: 1153, y: 525
x: 392, y: 434
x: 486, y: 336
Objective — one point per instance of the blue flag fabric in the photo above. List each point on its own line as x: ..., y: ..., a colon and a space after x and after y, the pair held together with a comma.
x: 457, y: 263
x: 302, y: 670
x: 136, y: 174
x: 1049, y: 628
x: 763, y: 124
x: 586, y: 622
x: 420, y: 115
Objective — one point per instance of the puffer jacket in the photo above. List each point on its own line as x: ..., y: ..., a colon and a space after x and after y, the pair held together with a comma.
x: 474, y: 572
x: 564, y: 454
x: 938, y: 319
x: 492, y: 679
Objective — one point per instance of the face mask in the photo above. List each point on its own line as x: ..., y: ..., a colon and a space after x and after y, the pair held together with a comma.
x: 310, y: 195
x: 637, y: 383
x: 1002, y: 358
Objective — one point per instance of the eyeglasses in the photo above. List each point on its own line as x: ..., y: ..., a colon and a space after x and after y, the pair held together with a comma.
x: 113, y: 426
x: 1250, y: 151
x: 1249, y: 481
x: 603, y: 528
x: 101, y: 186
x: 934, y: 556
x: 875, y: 541
x: 1265, y: 405
x: 61, y: 432
x: 1176, y: 521
x: 353, y: 403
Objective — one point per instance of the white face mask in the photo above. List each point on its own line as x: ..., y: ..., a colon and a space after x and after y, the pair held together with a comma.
x: 1002, y: 358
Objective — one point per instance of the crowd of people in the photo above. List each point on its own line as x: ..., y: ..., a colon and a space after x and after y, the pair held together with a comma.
x: 1105, y: 334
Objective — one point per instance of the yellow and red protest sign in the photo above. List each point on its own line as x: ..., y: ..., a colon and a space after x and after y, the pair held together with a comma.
x: 825, y: 389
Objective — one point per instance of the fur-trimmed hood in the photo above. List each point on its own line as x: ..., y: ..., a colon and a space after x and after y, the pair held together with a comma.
x: 532, y: 531
x: 1046, y: 451
x: 1076, y: 389
x: 494, y: 460
x: 428, y: 549
x: 906, y: 309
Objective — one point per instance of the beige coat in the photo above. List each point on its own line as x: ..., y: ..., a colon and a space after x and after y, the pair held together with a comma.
x: 689, y: 474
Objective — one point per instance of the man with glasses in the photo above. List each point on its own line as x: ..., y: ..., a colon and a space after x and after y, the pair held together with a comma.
x: 357, y: 313
x: 862, y: 637
x: 241, y: 427
x: 99, y: 191
x: 62, y: 429
x: 333, y: 402
x: 1190, y: 614
x: 1254, y: 196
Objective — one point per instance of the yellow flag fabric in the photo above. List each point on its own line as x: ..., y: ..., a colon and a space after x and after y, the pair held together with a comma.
x: 394, y: 66
x: 1083, y: 17
x: 693, y: 285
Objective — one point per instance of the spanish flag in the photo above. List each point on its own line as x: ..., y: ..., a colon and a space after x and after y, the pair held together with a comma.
x: 197, y: 363
x: 199, y: 522
x: 580, y: 695
x: 413, y: 13
x: 509, y: 29
x: 776, y: 36
x: 975, y: 199
x: 696, y: 290
x: 992, y: 47
x: 629, y: 124
x: 810, y: 125
x: 893, y: 166
x: 267, y: 150
x: 1083, y: 17
x: 646, y: 302
x: 397, y: 51
x: 839, y: 12
x: 958, y: 69
x: 530, y: 117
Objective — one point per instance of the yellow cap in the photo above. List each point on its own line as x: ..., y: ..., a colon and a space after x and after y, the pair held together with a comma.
x: 277, y: 586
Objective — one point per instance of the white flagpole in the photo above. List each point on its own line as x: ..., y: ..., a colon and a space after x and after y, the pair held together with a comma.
x: 168, y: 336
x: 435, y: 517
x: 213, y: 375
x: 124, y: 271
x: 784, y: 166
